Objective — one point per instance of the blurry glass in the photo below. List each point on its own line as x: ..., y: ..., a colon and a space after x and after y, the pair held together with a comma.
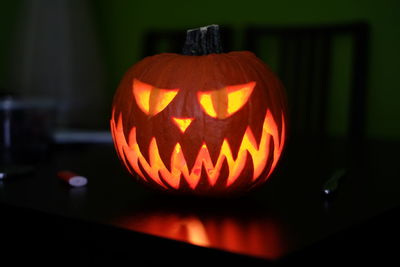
x: 26, y: 129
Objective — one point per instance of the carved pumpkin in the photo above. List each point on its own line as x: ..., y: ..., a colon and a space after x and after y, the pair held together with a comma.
x: 212, y: 123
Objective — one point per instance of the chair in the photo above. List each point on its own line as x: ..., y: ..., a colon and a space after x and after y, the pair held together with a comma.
x: 304, y: 56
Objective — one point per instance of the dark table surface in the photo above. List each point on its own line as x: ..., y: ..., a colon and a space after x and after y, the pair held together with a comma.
x: 287, y: 219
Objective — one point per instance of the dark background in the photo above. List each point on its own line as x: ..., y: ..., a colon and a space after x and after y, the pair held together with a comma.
x: 77, y: 51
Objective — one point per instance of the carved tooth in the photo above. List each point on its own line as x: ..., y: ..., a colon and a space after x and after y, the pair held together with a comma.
x: 150, y: 180
x: 214, y: 149
x: 264, y: 175
x: 222, y: 176
x: 247, y: 175
x: 165, y: 150
x: 203, y: 183
x: 143, y: 141
x: 235, y: 138
x: 184, y: 185
x: 118, y: 136
x: 256, y: 128
x: 188, y: 146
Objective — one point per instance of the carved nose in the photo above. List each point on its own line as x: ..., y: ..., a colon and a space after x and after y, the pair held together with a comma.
x: 182, y: 123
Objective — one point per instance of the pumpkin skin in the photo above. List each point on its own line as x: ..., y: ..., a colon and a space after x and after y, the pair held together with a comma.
x: 212, y: 124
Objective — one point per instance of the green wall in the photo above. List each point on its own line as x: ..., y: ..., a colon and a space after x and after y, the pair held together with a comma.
x: 121, y: 23
x: 8, y: 17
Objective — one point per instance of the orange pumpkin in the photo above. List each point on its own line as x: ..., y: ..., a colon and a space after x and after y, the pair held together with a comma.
x: 212, y: 123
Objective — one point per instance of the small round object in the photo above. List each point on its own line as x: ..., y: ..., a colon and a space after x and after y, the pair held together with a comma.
x: 72, y: 178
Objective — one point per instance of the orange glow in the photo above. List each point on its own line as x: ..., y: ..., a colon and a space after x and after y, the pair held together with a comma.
x: 224, y: 102
x: 183, y: 124
x: 238, y: 95
x: 131, y: 156
x: 254, y: 236
x: 207, y: 104
x: 196, y: 232
x: 152, y: 100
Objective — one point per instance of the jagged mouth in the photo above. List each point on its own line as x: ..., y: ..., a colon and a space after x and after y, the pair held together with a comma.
x: 155, y: 167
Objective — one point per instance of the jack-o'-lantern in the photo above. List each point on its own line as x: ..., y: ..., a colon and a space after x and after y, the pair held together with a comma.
x: 204, y: 122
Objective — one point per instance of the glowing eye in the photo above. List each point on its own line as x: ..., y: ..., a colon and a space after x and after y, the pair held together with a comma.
x: 224, y: 102
x: 152, y: 100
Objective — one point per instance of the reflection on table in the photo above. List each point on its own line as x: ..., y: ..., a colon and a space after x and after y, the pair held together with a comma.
x: 260, y: 237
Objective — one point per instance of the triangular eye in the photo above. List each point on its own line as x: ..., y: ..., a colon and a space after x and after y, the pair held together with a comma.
x: 152, y: 100
x: 224, y: 102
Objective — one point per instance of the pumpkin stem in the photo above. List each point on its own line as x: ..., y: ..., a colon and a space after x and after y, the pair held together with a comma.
x: 202, y: 41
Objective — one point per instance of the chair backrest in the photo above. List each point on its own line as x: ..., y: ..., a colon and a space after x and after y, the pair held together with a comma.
x: 304, y: 57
